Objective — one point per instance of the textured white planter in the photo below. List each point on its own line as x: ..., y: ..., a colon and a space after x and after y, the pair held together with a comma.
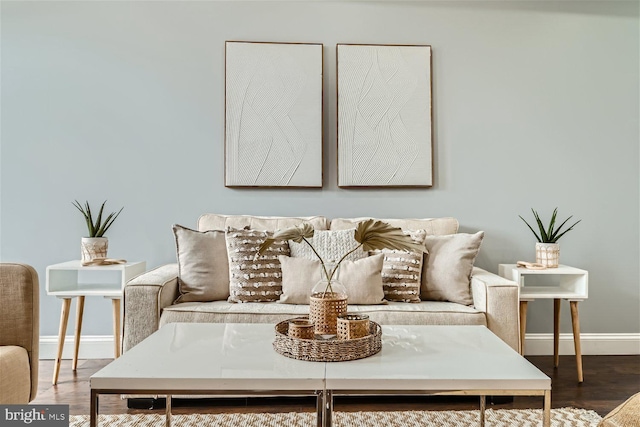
x: 548, y: 254
x: 93, y: 248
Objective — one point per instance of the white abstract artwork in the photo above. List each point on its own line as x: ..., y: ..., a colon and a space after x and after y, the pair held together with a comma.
x: 273, y: 114
x: 384, y: 116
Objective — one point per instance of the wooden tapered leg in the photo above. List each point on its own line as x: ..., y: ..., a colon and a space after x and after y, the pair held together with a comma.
x: 167, y: 420
x: 546, y: 413
x: 116, y: 327
x: 556, y: 331
x: 523, y: 324
x: 575, y: 321
x: 64, y: 318
x: 79, y: 312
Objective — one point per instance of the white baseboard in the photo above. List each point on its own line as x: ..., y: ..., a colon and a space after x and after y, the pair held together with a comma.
x: 91, y: 347
x: 101, y: 346
x: 590, y: 344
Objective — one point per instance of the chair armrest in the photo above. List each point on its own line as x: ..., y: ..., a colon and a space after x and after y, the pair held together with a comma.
x: 144, y: 298
x: 20, y: 313
x: 498, y: 298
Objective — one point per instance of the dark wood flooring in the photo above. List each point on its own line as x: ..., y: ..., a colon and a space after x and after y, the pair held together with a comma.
x: 608, y: 381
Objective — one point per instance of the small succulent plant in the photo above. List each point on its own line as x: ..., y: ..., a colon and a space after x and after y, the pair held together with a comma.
x: 550, y: 234
x: 97, y: 228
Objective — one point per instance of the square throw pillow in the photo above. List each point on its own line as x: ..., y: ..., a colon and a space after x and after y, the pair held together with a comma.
x: 448, y: 265
x: 402, y: 270
x: 254, y: 279
x: 203, y: 268
x: 361, y: 278
x: 299, y: 276
x: 331, y: 246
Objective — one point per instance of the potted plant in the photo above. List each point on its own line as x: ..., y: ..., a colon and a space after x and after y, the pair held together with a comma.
x: 547, y: 247
x: 95, y: 245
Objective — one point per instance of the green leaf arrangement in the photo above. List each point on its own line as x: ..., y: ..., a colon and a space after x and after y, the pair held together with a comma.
x: 370, y: 234
x: 549, y: 234
x: 97, y: 228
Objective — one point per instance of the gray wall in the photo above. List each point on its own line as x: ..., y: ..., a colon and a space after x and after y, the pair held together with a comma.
x: 535, y: 105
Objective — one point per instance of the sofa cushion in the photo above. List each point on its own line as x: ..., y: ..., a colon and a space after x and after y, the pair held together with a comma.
x: 254, y: 278
x: 448, y: 266
x: 203, y: 269
x: 261, y: 223
x: 330, y: 245
x: 362, y: 279
x: 15, y: 371
x: 433, y: 226
x: 394, y: 313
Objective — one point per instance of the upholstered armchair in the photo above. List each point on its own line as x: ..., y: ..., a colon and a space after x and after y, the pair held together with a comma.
x: 19, y: 333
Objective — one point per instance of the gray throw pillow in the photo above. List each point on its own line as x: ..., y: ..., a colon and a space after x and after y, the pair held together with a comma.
x: 203, y: 268
x: 448, y: 266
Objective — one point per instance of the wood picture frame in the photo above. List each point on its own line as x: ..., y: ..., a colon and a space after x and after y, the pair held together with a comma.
x: 384, y: 115
x: 273, y: 114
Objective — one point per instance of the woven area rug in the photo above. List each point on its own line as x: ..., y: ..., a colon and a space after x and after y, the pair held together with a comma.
x: 563, y: 417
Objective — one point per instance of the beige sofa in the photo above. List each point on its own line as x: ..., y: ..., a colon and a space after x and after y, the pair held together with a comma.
x: 149, y: 298
x: 19, y: 333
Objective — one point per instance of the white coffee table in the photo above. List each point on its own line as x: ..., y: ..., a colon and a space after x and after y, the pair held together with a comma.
x: 228, y: 359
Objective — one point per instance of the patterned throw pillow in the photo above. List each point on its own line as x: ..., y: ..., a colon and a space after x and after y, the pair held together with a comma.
x: 254, y: 279
x: 402, y: 271
x: 331, y: 246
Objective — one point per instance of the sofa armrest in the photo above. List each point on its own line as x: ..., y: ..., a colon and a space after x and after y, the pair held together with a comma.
x: 498, y: 298
x: 20, y: 313
x: 144, y: 298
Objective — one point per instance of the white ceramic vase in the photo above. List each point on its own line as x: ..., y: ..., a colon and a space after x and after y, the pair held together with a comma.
x: 548, y: 254
x: 94, y: 248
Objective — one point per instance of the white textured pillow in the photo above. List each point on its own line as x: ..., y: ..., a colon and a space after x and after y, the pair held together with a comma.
x: 361, y: 278
x: 448, y: 267
x: 402, y: 270
x: 331, y: 246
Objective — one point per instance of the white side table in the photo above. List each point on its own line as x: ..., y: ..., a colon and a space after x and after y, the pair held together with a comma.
x: 70, y: 279
x: 564, y: 282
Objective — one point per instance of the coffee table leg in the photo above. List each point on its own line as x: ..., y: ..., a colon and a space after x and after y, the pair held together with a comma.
x: 483, y: 405
x: 328, y: 408
x: 167, y: 421
x: 93, y: 417
x: 319, y: 407
x: 546, y: 415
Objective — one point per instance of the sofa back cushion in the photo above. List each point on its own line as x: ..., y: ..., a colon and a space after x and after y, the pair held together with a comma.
x: 261, y: 223
x: 433, y: 226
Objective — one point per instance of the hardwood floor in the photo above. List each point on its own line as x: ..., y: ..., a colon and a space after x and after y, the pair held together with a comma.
x: 608, y: 381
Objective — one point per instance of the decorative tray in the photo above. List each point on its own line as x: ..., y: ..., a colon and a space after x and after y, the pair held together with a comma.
x: 327, y: 350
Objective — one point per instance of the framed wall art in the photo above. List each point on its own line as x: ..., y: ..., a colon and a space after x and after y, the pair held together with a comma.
x: 384, y: 116
x: 273, y: 114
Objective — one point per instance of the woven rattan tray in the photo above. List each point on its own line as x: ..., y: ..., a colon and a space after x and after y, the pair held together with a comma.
x: 331, y: 350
